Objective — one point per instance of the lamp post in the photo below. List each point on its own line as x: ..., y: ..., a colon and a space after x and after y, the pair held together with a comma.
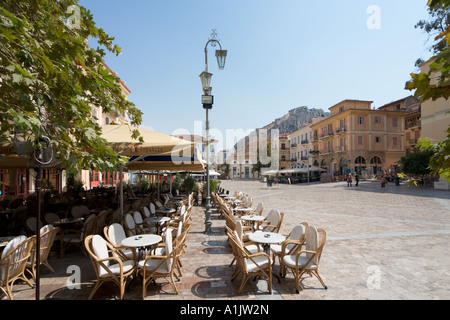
x: 207, y: 101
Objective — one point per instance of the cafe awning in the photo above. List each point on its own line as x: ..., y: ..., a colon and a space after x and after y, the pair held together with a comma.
x: 158, y: 151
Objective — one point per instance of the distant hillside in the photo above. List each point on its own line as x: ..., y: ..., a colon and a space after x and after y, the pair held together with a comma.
x: 295, y: 119
x: 292, y: 121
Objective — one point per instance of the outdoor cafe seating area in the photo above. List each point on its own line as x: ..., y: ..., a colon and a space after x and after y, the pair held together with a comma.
x: 146, y: 243
x: 258, y: 244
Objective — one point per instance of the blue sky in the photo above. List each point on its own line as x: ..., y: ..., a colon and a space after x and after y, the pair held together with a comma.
x: 282, y: 54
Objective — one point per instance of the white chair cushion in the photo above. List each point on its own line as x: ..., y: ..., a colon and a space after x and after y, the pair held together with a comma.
x: 12, y: 244
x: 152, y: 264
x: 262, y: 261
x: 116, y: 233
x: 115, y: 268
x: 289, y: 260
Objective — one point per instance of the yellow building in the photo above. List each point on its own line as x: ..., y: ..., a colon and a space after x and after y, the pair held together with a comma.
x: 358, y: 138
x: 284, y: 151
x: 412, y: 120
x: 301, y: 144
x: 435, y: 117
x: 95, y: 178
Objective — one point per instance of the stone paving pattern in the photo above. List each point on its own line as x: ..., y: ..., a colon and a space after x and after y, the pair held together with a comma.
x: 388, y: 244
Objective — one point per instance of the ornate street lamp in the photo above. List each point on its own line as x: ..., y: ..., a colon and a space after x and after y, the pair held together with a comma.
x: 207, y: 101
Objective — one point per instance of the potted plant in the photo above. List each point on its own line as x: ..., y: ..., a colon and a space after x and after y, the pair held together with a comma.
x: 189, y: 185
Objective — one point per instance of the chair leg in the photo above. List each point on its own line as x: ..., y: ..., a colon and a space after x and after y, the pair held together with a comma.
x: 315, y: 273
x: 49, y: 266
x: 97, y: 285
x: 172, y: 282
x: 243, y: 282
x: 6, y: 290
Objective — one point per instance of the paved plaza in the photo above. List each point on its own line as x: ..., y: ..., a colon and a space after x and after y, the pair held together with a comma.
x: 388, y: 244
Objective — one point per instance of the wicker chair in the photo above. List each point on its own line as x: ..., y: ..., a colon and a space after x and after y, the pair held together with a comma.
x: 306, y: 261
x: 293, y: 243
x: 131, y: 229
x: 161, y: 266
x: 108, y: 266
x: 114, y: 234
x: 70, y: 237
x: 272, y: 223
x: 48, y: 234
x: 256, y: 264
x: 13, y: 262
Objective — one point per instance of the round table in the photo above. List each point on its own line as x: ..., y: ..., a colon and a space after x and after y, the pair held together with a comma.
x: 253, y: 218
x: 266, y: 239
x: 165, y: 210
x: 67, y: 221
x: 5, y: 240
x: 141, y: 241
x: 242, y: 209
x: 158, y: 221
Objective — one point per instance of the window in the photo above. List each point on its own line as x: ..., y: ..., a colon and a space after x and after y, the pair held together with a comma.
x: 377, y: 120
x: 377, y: 139
x: 394, y: 122
x: 361, y: 120
x: 342, y: 125
x: 360, y: 140
x: 342, y: 144
x: 394, y: 141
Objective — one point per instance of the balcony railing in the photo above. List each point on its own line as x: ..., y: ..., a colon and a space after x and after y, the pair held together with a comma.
x: 326, y: 135
x: 305, y: 141
x: 340, y: 130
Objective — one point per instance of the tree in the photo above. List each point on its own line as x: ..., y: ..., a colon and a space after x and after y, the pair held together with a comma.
x: 50, y: 80
x: 427, y: 90
x: 416, y: 163
x: 421, y: 82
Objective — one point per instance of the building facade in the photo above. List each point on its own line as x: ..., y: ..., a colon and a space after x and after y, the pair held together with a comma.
x: 358, y: 138
x: 284, y: 151
x: 412, y: 120
x: 302, y: 145
x: 435, y: 115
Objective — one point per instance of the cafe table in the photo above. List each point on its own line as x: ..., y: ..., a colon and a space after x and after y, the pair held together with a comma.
x: 266, y: 239
x: 141, y: 242
x: 243, y: 210
x: 252, y: 219
x: 159, y: 221
x: 66, y: 221
x: 4, y: 241
x: 165, y: 211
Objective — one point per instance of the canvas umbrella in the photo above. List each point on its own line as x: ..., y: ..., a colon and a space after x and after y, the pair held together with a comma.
x: 158, y: 151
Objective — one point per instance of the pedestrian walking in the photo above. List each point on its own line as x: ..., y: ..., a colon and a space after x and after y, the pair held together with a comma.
x: 356, y: 179
x: 383, y: 183
x: 349, y: 180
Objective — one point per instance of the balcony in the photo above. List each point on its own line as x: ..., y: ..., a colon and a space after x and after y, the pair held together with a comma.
x: 340, y: 130
x: 305, y: 141
x: 326, y: 135
x: 293, y: 145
